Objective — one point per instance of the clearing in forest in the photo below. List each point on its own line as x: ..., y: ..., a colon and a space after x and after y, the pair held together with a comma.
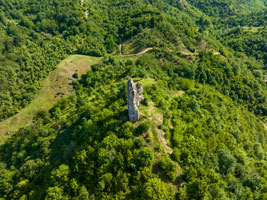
x: 56, y: 85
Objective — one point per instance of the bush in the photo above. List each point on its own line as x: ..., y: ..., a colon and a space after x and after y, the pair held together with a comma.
x: 168, y: 166
x: 139, y: 142
x: 185, y: 84
x: 176, y: 154
x: 145, y: 157
x: 156, y: 189
x: 42, y: 115
x: 127, y: 130
x: 227, y: 162
x: 143, y: 127
x: 75, y: 75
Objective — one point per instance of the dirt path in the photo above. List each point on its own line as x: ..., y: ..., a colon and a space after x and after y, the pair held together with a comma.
x: 196, y: 53
x: 163, y: 141
x: 55, y: 86
x: 120, y: 49
x: 144, y: 51
x: 265, y: 125
x: 135, y: 54
x: 161, y: 133
x: 156, y: 117
x: 182, y: 52
x: 86, y: 11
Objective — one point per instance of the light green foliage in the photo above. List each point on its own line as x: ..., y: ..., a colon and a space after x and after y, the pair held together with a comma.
x: 55, y: 193
x: 156, y: 189
x: 61, y: 174
x: 145, y: 158
x: 143, y: 127
x: 6, y: 181
x: 83, y: 194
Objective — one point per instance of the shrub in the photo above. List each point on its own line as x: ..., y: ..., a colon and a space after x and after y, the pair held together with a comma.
x: 168, y: 166
x: 227, y: 162
x: 185, y: 84
x: 143, y: 127
x: 139, y: 142
x: 75, y: 75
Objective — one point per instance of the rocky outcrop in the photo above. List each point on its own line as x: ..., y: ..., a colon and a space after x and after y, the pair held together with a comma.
x: 135, y: 96
x: 139, y: 90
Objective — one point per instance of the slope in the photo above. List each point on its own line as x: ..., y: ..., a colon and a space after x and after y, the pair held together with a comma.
x: 58, y: 84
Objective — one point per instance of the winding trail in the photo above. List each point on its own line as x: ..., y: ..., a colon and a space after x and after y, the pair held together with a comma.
x: 135, y: 54
x: 196, y: 53
x: 144, y: 51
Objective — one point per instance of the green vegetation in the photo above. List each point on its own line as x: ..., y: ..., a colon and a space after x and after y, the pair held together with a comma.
x: 85, y: 146
x: 64, y: 127
x: 55, y: 86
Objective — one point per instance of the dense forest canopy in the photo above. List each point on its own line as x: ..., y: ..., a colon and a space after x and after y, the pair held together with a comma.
x: 202, y: 128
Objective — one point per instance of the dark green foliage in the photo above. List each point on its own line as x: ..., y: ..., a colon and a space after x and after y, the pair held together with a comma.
x: 6, y: 181
x: 226, y: 8
x: 139, y: 142
x: 226, y: 161
x: 143, y: 127
x: 169, y: 167
x: 75, y: 75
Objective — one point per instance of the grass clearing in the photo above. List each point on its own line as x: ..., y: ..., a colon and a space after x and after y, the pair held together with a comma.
x: 57, y: 85
x: 252, y: 29
x: 145, y: 81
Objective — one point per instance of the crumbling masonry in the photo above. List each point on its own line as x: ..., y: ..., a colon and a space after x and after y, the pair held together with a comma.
x: 135, y: 96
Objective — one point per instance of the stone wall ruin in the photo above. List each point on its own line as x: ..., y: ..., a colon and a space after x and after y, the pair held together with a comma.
x: 134, y: 97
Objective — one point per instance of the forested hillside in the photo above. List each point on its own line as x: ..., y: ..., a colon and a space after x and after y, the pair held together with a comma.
x: 201, y: 133
x: 226, y: 8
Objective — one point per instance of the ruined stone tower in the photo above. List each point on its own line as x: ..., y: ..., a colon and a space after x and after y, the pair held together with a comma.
x: 135, y: 96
